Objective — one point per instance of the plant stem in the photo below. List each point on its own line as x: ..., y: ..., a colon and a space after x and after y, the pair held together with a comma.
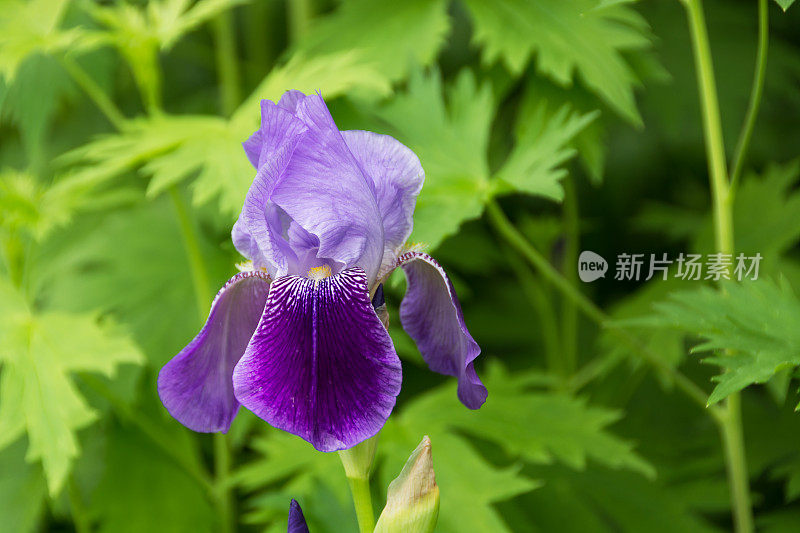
x: 540, y: 301
x: 712, y: 128
x: 755, y: 95
x: 732, y: 434
x: 192, y: 245
x: 569, y: 313
x: 222, y: 467
x: 93, y: 91
x: 362, y: 500
x: 227, y: 62
x: 508, y: 232
x: 79, y: 518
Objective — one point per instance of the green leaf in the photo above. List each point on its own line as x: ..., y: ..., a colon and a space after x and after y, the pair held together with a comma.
x: 288, y: 467
x: 543, y: 144
x: 160, y: 285
x: 22, y: 490
x: 582, y: 36
x: 756, y: 320
x: 30, y: 27
x: 393, y: 36
x: 785, y: 4
x: 536, y: 426
x: 39, y: 353
x: 143, y: 490
x: 362, y: 47
x: 451, y: 141
x: 35, y: 94
x: 38, y: 210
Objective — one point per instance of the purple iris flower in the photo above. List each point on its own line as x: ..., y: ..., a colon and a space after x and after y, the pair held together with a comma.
x: 297, y: 522
x: 296, y: 337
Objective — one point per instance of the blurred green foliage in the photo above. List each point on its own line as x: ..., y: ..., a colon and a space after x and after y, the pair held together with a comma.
x: 579, y: 119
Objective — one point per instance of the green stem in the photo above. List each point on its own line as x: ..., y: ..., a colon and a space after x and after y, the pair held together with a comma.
x: 93, y: 91
x: 569, y: 313
x: 712, y: 128
x: 78, y: 510
x: 362, y: 500
x: 192, y: 245
x: 508, y: 232
x: 222, y: 467
x: 540, y: 301
x: 230, y: 91
x: 732, y: 433
x: 755, y: 95
x: 736, y: 464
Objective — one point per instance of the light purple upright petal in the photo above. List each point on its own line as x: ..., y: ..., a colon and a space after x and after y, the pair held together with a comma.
x: 290, y: 99
x: 431, y: 315
x: 196, y: 385
x: 297, y: 522
x: 277, y: 126
x: 320, y: 364
x: 265, y: 222
x: 398, y: 176
x: 324, y: 190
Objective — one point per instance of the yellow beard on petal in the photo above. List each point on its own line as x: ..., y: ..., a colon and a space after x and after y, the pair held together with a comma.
x: 320, y: 272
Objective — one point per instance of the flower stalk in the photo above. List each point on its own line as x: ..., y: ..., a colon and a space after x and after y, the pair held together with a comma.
x: 357, y: 462
x: 722, y: 204
x: 756, y: 92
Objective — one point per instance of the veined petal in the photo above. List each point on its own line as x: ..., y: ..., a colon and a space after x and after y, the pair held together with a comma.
x: 195, y: 386
x: 324, y: 190
x: 397, y: 175
x: 277, y: 125
x: 431, y: 315
x: 320, y: 364
x: 297, y: 522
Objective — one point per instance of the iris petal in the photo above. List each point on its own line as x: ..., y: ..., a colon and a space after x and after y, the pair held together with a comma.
x: 320, y: 364
x: 195, y: 386
x: 431, y: 315
x: 297, y: 522
x: 397, y: 175
x: 324, y: 190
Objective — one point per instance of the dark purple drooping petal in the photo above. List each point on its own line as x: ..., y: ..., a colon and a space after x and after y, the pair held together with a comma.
x: 397, y: 175
x: 195, y: 386
x: 320, y: 364
x: 431, y: 315
x: 297, y: 522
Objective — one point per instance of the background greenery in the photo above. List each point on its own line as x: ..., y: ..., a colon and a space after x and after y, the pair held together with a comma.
x: 121, y: 173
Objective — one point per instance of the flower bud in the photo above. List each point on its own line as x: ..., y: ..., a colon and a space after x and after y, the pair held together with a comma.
x: 412, y: 501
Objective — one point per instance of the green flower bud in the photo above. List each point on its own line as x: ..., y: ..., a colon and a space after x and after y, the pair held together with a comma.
x: 412, y: 501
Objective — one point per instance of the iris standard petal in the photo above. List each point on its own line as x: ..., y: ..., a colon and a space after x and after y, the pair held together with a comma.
x: 431, y: 315
x: 195, y: 386
x: 320, y: 364
x: 397, y: 175
x: 297, y: 522
x: 324, y: 190
x: 277, y: 125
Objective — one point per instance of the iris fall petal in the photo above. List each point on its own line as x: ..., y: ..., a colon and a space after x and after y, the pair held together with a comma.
x: 320, y: 364
x: 195, y: 386
x: 431, y: 315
